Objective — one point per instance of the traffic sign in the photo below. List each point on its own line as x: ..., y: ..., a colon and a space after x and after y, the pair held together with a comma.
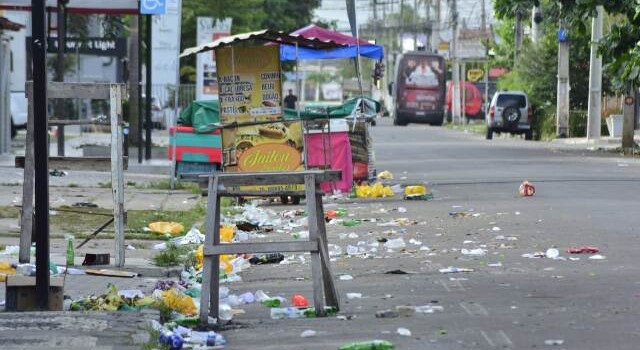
x: 563, y: 35
x: 475, y: 74
x: 153, y: 7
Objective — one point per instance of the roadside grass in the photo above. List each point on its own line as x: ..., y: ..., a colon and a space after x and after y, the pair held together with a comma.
x: 82, y: 223
x: 159, y: 185
x: 175, y: 255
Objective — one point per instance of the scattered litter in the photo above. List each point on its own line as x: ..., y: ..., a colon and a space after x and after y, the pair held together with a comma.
x: 298, y: 300
x: 552, y: 253
x: 396, y: 243
x: 455, y: 270
x: 534, y: 255
x: 111, y: 273
x: 402, y: 210
x: 387, y: 314
x: 378, y: 190
x: 354, y: 295
x: 396, y: 272
x: 57, y: 173
x: 597, y: 257
x: 417, y: 192
x: 473, y: 252
x: 164, y: 227
x: 553, y: 342
x: 458, y: 214
x: 350, y: 223
x: 308, y: 333
x: 194, y: 236
x: 272, y: 258
x: 496, y: 229
x: 428, y: 309
x: 404, y: 332
x: 85, y: 205
x: 415, y: 242
x: 346, y: 277
x: 583, y: 250
x: 385, y: 175
x: 130, y: 247
x: 368, y: 345
x: 498, y: 264
x: 526, y: 189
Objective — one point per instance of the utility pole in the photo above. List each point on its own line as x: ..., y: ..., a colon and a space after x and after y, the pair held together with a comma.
x: 133, y: 67
x: 562, y: 102
x: 595, y: 78
x: 485, y: 42
x: 628, y: 110
x: 62, y: 34
x: 415, y: 24
x: 40, y: 150
x: 518, y: 41
x: 455, y: 67
x: 536, y: 19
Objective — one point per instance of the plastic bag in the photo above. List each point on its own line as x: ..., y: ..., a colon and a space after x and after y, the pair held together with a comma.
x: 179, y: 302
x: 164, y: 227
x: 6, y: 270
x: 227, y: 233
x: 385, y: 175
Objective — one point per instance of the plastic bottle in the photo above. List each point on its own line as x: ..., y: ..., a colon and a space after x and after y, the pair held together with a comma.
x: 279, y: 313
x: 70, y: 251
x: 271, y: 302
x: 396, y: 243
x: 368, y: 345
x: 174, y: 340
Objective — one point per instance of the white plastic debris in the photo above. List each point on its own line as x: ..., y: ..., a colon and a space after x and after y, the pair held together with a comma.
x: 496, y: 229
x: 346, y: 277
x: 396, y: 243
x: 354, y: 295
x: 455, y: 270
x: 597, y: 257
x: 552, y: 253
x: 473, y: 252
x: 308, y: 333
x: 404, y: 332
x: 553, y: 342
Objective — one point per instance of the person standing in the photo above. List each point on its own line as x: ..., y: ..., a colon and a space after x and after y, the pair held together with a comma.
x: 290, y: 100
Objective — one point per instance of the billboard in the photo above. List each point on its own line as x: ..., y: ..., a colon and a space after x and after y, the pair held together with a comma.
x: 165, y: 44
x: 250, y: 93
x: 209, y: 29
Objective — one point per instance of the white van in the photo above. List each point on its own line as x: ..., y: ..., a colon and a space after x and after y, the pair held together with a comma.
x: 19, y: 112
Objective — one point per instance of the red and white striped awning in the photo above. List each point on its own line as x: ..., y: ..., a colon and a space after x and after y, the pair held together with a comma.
x: 111, y: 7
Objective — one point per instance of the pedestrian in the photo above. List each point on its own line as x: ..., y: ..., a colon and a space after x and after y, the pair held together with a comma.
x: 290, y: 100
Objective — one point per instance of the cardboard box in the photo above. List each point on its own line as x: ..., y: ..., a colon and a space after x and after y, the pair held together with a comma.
x: 21, y: 293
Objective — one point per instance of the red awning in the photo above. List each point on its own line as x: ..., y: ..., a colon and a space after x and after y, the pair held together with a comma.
x: 111, y: 7
x: 312, y: 31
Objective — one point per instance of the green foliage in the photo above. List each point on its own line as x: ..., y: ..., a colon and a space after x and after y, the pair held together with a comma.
x: 174, y: 255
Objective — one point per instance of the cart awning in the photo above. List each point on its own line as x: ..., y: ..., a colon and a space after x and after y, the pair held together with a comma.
x: 270, y: 36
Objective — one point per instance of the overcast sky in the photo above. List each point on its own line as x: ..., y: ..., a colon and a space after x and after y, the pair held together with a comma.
x: 469, y: 10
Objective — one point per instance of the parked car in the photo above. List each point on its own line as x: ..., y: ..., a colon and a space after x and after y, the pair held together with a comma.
x: 19, y: 112
x: 511, y: 112
x: 473, y: 106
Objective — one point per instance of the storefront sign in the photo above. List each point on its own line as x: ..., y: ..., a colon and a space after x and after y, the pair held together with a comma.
x: 475, y: 74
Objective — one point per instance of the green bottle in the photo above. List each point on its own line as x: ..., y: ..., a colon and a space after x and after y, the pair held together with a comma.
x: 70, y: 251
x: 350, y: 223
x: 271, y: 302
x: 368, y: 345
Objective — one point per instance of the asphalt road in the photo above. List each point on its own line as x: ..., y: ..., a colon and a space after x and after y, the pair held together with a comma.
x: 581, y: 199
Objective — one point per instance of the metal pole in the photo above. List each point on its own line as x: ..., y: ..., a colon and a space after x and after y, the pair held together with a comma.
x: 628, y: 111
x: 455, y: 74
x: 562, y: 112
x: 139, y: 90
x: 41, y: 151
x: 595, y: 79
x: 176, y: 108
x: 62, y: 33
x: 148, y: 124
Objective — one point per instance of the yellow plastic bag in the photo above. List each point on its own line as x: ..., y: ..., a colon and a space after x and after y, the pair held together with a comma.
x: 179, y: 302
x: 415, y: 191
x: 6, y: 270
x: 199, y: 257
x: 227, y: 233
x: 164, y: 227
x: 225, y: 260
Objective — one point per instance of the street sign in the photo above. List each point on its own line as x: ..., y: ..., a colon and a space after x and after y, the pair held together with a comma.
x: 153, y: 7
x: 563, y: 35
x: 475, y: 74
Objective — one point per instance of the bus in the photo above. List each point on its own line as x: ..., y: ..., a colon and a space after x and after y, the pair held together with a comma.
x: 420, y: 89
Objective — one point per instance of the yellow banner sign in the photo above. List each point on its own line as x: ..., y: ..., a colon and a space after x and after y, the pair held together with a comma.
x: 475, y: 74
x: 251, y: 91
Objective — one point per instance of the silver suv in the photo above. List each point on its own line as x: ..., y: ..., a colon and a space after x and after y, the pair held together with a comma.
x: 511, y: 112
